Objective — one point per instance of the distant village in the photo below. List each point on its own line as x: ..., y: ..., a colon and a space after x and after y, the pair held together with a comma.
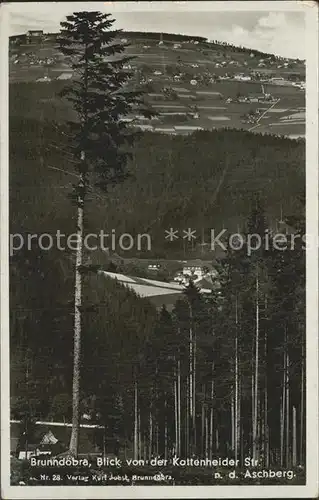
x: 187, y: 83
x: 262, y: 73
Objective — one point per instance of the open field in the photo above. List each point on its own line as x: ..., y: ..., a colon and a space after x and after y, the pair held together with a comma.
x: 197, y: 98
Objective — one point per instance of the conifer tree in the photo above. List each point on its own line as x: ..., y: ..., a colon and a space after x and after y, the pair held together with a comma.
x: 100, y: 97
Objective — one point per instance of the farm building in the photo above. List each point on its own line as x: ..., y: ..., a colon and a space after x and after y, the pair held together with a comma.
x: 242, y: 78
x: 34, y: 36
x: 154, y: 267
x: 52, y: 438
x: 65, y: 76
x: 44, y: 79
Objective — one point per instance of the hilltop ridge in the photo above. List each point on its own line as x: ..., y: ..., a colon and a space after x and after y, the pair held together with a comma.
x: 177, y: 37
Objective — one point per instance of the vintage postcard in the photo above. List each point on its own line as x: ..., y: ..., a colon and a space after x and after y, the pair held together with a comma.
x: 159, y: 249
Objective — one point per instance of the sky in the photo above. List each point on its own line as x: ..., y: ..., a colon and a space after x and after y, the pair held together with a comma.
x: 257, y: 25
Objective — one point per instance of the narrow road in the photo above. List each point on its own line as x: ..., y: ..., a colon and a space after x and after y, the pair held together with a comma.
x: 262, y: 115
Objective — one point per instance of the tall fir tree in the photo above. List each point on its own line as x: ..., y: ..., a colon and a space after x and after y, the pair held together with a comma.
x: 100, y: 98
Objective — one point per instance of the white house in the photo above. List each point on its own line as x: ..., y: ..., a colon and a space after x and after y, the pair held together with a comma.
x: 190, y: 270
x: 242, y: 78
x: 193, y: 82
x: 35, y: 33
x: 154, y: 267
x: 45, y: 79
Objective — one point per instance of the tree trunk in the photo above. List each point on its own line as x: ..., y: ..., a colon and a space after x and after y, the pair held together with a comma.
x: 150, y: 452
x: 175, y: 388
x: 203, y: 425
x: 266, y: 429
x: 206, y: 436
x: 187, y: 416
x: 232, y: 418
x: 135, y: 452
x: 74, y: 440
x: 194, y: 393
x: 282, y: 414
x: 211, y: 419
x: 255, y: 416
x: 236, y: 416
x: 301, y: 447
x: 157, y: 439
x: 178, y: 451
x: 294, y: 437
x: 252, y: 397
x: 239, y: 425
x: 191, y: 380
x: 139, y: 440
x: 287, y: 415
x: 165, y: 431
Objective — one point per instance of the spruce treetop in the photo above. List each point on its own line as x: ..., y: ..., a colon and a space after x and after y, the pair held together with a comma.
x: 100, y: 95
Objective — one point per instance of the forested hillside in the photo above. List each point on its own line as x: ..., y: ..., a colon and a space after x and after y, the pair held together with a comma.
x: 220, y: 376
x: 203, y: 181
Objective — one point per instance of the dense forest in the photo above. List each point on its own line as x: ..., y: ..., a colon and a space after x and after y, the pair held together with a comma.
x: 222, y: 375
x: 204, y: 181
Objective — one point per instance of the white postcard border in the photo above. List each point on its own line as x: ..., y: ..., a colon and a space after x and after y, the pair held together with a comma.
x: 310, y: 490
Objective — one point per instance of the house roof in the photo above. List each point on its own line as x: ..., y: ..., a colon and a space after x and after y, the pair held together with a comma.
x: 204, y: 283
x: 62, y: 432
x: 35, y: 32
x: 146, y: 287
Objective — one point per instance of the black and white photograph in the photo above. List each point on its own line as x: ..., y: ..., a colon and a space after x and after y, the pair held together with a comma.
x: 159, y: 240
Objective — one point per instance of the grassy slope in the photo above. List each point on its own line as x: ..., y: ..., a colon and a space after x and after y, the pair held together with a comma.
x: 170, y: 60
